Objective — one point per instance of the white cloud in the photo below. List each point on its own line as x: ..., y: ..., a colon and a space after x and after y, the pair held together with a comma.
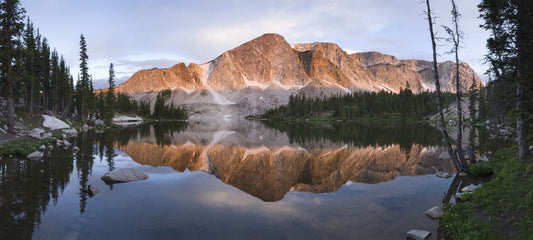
x: 142, y: 33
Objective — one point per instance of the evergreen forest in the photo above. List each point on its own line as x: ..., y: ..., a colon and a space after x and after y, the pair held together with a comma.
x: 35, y: 78
x: 368, y: 105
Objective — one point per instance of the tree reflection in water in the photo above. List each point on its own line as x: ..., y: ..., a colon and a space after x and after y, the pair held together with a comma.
x: 261, y: 162
x: 26, y: 188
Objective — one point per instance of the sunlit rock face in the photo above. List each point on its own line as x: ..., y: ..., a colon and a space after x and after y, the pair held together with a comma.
x: 265, y: 71
x: 395, y: 74
x: 269, y: 173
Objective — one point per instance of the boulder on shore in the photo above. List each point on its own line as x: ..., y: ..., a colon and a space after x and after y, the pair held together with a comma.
x: 443, y: 175
x: 124, y: 175
x: 36, y: 133
x: 435, y: 212
x: 71, y: 132
x: 468, y: 189
x: 54, y: 123
x: 418, y: 234
x: 458, y: 196
x: 36, y: 155
x: 444, y: 155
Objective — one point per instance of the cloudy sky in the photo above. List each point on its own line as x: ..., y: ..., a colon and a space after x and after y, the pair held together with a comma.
x: 140, y: 34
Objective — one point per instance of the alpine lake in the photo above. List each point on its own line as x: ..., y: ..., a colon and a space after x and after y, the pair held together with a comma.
x: 233, y: 180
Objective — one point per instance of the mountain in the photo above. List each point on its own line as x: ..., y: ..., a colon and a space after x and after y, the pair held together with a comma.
x: 265, y: 71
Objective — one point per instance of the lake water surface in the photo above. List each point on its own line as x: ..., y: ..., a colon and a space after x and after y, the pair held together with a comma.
x: 231, y: 180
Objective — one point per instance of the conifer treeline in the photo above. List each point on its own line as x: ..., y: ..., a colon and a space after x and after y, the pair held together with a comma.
x: 40, y: 76
x: 404, y: 105
x: 36, y: 77
x: 126, y: 104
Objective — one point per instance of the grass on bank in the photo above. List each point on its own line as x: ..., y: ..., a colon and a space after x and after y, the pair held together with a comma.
x: 499, y: 209
x: 22, y: 148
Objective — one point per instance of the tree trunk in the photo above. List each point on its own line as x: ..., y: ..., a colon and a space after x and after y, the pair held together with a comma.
x: 459, y: 137
x: 521, y: 131
x: 456, y: 37
x: 442, y: 125
x: 9, y: 97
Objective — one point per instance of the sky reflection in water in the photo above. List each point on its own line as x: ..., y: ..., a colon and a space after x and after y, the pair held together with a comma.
x: 213, y: 203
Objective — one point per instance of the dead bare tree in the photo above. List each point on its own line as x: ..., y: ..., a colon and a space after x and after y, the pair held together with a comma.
x: 455, y: 38
x: 442, y: 125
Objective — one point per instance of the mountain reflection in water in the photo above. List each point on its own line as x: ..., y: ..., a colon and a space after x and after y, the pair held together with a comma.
x: 267, y: 163
x: 263, y: 162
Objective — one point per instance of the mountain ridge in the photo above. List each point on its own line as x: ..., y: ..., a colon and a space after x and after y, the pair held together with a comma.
x: 269, y: 67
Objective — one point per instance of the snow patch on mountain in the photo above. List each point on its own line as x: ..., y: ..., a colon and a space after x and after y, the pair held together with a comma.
x: 188, y: 91
x: 388, y: 88
x: 337, y: 85
x: 249, y: 83
x: 286, y: 87
x: 218, y: 98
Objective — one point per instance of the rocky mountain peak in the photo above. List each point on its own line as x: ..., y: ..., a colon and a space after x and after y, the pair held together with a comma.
x: 265, y: 71
x: 372, y: 58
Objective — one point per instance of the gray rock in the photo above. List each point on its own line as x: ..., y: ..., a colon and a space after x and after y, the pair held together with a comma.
x: 85, y: 128
x: 468, y: 189
x: 42, y: 148
x: 50, y: 147
x: 92, y: 190
x: 444, y: 155
x: 71, y: 132
x: 124, y: 175
x: 458, y: 196
x: 63, y: 136
x: 435, y: 212
x: 66, y: 143
x: 75, y: 148
x: 36, y: 133
x: 46, y: 135
x: 36, y: 155
x: 443, y: 175
x: 418, y: 234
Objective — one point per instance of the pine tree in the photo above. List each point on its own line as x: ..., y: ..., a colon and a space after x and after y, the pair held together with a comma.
x: 29, y: 76
x: 473, y: 98
x: 55, y: 82
x: 66, y: 87
x: 510, y: 56
x: 11, y: 26
x: 82, y: 88
x: 44, y: 72
x: 91, y: 99
x: 110, y: 97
